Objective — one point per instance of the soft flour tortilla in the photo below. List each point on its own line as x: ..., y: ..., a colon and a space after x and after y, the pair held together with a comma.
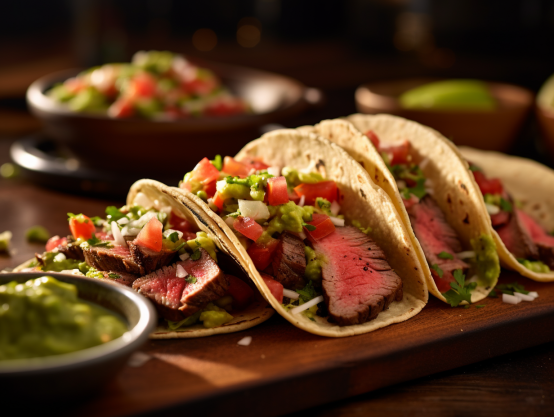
x: 363, y: 201
x: 455, y: 190
x: 531, y: 184
x: 163, y: 196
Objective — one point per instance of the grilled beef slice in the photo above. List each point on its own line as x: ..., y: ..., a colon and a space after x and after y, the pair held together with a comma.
x: 113, y: 258
x: 358, y: 283
x: 71, y: 249
x: 435, y: 235
x: 517, y: 239
x: 148, y: 259
x: 289, y: 262
x: 176, y: 298
x: 544, y: 242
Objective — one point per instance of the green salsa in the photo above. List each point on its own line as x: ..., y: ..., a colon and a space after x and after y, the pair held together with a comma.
x: 44, y: 317
x: 486, y: 257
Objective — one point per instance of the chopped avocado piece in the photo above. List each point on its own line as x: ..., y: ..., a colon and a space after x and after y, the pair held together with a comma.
x: 313, y: 265
x: 148, y: 107
x: 287, y: 217
x: 450, y: 94
x: 214, y: 316
x: 535, y: 266
x: 189, y: 321
x: 203, y: 241
x: 486, y: 259
x: 37, y: 234
x: 5, y: 239
x: 88, y: 99
x: 295, y: 178
x: 60, y: 92
x: 158, y: 62
x: 367, y: 230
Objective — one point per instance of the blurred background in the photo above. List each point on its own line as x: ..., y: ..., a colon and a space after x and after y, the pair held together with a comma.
x: 331, y: 45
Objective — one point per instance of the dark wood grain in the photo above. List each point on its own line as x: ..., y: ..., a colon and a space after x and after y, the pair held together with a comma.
x: 284, y: 369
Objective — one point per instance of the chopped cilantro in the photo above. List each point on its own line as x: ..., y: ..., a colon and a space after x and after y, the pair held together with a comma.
x: 309, y: 227
x: 113, y: 214
x: 438, y: 270
x: 217, y: 162
x: 445, y: 255
x: 114, y: 276
x: 174, y: 237
x: 97, y: 220
x: 505, y: 205
x: 94, y: 241
x: 308, y: 292
x: 419, y: 189
x: 508, y: 289
x: 460, y: 290
x: 196, y: 255
x: 191, y: 279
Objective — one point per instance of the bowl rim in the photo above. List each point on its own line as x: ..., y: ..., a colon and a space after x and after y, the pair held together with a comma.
x: 124, y: 345
x: 37, y: 99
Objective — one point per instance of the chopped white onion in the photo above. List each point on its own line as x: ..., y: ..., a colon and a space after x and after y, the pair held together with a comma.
x: 210, y: 201
x: 302, y: 235
x: 170, y: 231
x: 510, y: 299
x: 524, y: 297
x: 181, y: 272
x: 230, y: 221
x: 139, y: 224
x: 466, y: 254
x: 60, y: 257
x: 533, y: 294
x: 256, y: 210
x: 492, y: 209
x: 164, y: 209
x: 245, y: 341
x: 423, y: 163
x: 474, y: 278
x: 275, y: 171
x: 307, y: 305
x: 335, y: 208
x: 142, y: 200
x: 71, y: 272
x: 131, y: 231
x: 293, y: 295
x: 302, y: 201
x: 117, y: 236
x: 337, y: 222
x: 123, y: 220
x: 184, y: 256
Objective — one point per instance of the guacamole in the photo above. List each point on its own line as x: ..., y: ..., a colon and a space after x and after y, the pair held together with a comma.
x: 486, y: 257
x: 44, y: 317
x: 535, y: 266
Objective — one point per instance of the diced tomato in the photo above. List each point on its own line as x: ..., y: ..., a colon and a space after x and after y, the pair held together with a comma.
x: 74, y: 85
x: 293, y: 197
x: 225, y: 108
x: 398, y: 154
x: 121, y: 108
x: 218, y: 201
x: 373, y: 138
x: 256, y: 164
x: 185, y: 186
x: 248, y: 227
x: 151, y: 235
x: 210, y: 188
x: 200, y: 86
x: 275, y: 287
x: 500, y: 218
x: 443, y: 284
x: 82, y: 227
x: 235, y: 168
x: 277, y: 192
x: 262, y: 254
x: 488, y: 186
x: 240, y: 291
x: 54, y: 242
x: 141, y: 85
x: 325, y: 189
x: 323, y: 226
x: 180, y: 224
x: 205, y: 172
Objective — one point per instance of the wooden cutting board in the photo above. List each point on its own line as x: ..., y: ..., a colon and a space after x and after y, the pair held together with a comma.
x: 285, y: 369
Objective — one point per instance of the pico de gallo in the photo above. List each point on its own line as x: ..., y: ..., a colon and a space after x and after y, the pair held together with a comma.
x: 448, y: 263
x: 532, y: 246
x: 261, y: 204
x: 155, y: 233
x: 155, y: 85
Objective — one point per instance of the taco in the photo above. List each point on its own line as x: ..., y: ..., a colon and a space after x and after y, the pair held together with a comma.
x: 162, y: 246
x: 434, y: 192
x: 323, y: 243
x: 518, y: 195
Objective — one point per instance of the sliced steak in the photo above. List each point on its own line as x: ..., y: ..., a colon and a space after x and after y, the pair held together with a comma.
x: 358, y: 283
x: 119, y: 277
x: 435, y: 235
x: 115, y: 258
x: 71, y: 249
x: 544, y: 242
x: 289, y: 262
x: 517, y: 239
x: 176, y: 298
x: 148, y: 259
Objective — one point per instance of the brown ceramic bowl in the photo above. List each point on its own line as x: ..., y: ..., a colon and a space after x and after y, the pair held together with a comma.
x: 147, y: 146
x: 492, y: 130
x: 545, y: 117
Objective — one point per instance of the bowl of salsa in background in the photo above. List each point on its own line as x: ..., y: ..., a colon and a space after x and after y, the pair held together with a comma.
x: 484, y: 127
x: 144, y: 146
x: 82, y: 372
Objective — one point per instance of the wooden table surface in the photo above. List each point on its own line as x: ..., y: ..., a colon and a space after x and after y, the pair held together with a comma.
x: 516, y: 383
